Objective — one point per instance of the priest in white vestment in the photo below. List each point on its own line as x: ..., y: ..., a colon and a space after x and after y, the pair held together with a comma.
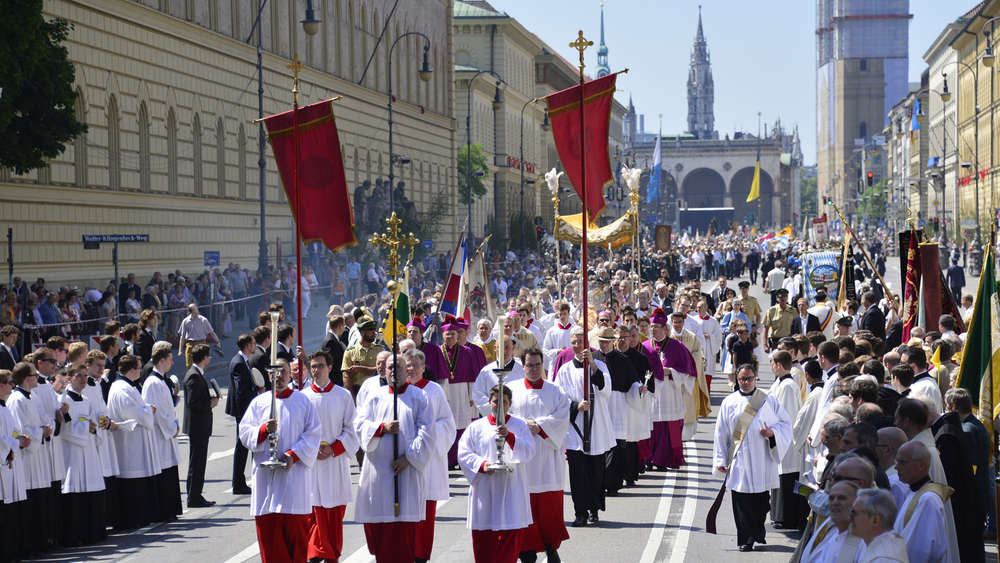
x: 155, y: 392
x: 925, y: 518
x: 38, y: 484
x: 82, y: 501
x: 872, y: 517
x: 487, y: 377
x: 13, y: 482
x: 788, y: 509
x: 833, y: 541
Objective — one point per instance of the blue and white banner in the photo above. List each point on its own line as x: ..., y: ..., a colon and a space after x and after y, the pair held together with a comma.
x: 821, y: 269
x: 653, y: 188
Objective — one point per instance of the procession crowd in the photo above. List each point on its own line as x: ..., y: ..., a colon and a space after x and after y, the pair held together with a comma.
x: 862, y: 442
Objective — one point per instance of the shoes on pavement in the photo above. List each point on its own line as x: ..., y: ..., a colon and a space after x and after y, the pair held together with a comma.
x: 200, y: 503
x: 552, y: 555
x: 746, y: 547
x: 527, y: 557
x: 593, y: 520
x: 241, y: 490
x: 579, y: 522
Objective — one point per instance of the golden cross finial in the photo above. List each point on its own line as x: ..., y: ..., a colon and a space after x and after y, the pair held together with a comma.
x: 296, y: 66
x: 393, y: 241
x: 581, y: 45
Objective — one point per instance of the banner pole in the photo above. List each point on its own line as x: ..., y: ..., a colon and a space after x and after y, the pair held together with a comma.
x: 296, y: 66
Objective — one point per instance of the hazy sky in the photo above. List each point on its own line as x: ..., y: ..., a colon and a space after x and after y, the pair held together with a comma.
x: 763, y: 53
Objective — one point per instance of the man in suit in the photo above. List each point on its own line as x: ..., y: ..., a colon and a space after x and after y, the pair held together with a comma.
x: 148, y: 320
x: 873, y: 319
x: 804, y: 322
x: 198, y: 405
x: 286, y: 343
x: 151, y: 299
x: 242, y: 390
x: 8, y: 345
x: 260, y: 358
x: 333, y: 345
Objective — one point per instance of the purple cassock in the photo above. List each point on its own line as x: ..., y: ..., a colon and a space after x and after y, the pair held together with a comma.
x: 666, y: 447
x: 564, y: 356
x: 434, y: 360
x: 480, y: 356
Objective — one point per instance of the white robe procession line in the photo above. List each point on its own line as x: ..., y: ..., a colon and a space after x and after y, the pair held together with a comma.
x: 84, y: 472
x: 138, y: 454
x: 569, y: 378
x: 487, y: 379
x: 442, y: 435
x: 374, y: 500
x: 930, y: 531
x: 755, y: 467
x: 105, y: 444
x: 36, y: 467
x: 279, y: 490
x: 155, y: 392
x: 48, y: 401
x: 330, y: 478
x: 800, y: 433
x: 549, y: 408
x: 787, y: 393
x: 499, y: 501
x: 13, y: 481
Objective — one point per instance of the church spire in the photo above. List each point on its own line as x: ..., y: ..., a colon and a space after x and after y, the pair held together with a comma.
x: 701, y: 88
x: 602, y: 51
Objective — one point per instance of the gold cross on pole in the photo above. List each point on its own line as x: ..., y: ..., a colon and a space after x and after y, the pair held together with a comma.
x: 393, y: 241
x: 581, y: 45
x: 296, y: 66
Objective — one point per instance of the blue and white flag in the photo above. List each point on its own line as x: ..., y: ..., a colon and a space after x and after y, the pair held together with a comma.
x: 653, y: 189
x: 821, y: 269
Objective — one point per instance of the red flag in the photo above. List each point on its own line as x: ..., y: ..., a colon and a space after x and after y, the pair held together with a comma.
x: 324, y: 212
x: 911, y: 291
x: 938, y: 300
x: 564, y: 113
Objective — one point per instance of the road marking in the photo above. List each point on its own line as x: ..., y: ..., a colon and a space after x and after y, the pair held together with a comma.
x: 220, y: 455
x: 251, y: 551
x: 679, y: 548
x: 363, y: 556
x: 662, y: 512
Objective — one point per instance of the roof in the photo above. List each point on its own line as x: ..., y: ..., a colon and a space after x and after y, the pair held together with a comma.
x: 476, y: 10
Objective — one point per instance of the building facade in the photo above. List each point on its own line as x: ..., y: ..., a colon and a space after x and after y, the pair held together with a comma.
x: 168, y: 91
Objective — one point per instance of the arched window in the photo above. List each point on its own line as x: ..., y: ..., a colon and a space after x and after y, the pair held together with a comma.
x: 114, y: 145
x: 241, y: 141
x: 171, y: 151
x: 144, y: 168
x: 196, y: 142
x: 220, y: 157
x: 80, y: 143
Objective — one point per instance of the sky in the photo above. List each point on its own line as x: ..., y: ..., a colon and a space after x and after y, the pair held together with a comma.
x: 763, y: 53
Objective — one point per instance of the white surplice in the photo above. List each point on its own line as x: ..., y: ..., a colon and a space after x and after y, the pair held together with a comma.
x: 138, y: 453
x: 930, y: 532
x: 331, y: 477
x: 155, y: 392
x: 498, y: 501
x: 48, y: 403
x: 755, y: 467
x: 375, y: 497
x: 37, y: 471
x: 487, y: 379
x: 459, y: 397
x: 800, y: 433
x: 786, y: 391
x: 105, y: 444
x: 84, y: 472
x: 13, y: 482
x: 281, y: 491
x: 569, y: 378
x: 549, y: 408
x: 555, y: 341
x: 442, y: 436
x: 887, y: 547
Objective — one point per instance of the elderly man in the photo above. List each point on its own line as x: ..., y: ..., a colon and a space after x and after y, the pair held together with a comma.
x: 788, y: 509
x: 195, y: 329
x: 872, y: 517
x: 912, y: 418
x: 924, y: 519
x: 833, y: 537
x: 890, y: 439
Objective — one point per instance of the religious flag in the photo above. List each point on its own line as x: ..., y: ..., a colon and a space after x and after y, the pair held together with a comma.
x: 755, y: 184
x: 980, y: 361
x: 449, y: 299
x: 324, y: 206
x: 653, y: 188
x: 402, y: 308
x: 565, y: 115
x: 914, y: 123
x: 845, y: 289
x: 911, y: 289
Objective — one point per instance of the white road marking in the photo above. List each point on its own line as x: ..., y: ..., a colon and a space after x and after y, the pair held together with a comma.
x: 679, y: 548
x: 662, y: 512
x: 220, y: 455
x: 251, y: 551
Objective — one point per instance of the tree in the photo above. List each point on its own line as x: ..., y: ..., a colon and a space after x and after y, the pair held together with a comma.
x: 809, y: 197
x: 872, y: 206
x: 36, y: 107
x: 479, y: 162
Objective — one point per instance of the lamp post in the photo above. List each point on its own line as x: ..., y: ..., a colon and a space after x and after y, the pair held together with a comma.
x: 497, y: 104
x: 425, y: 75
x: 311, y: 25
x: 521, y: 166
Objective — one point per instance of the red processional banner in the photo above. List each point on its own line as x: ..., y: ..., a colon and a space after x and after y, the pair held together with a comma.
x: 322, y: 209
x: 911, y: 289
x: 565, y: 116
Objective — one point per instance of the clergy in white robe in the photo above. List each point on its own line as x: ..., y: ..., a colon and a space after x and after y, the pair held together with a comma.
x: 47, y: 397
x: 711, y: 330
x: 788, y: 509
x: 281, y: 498
x: 752, y: 463
x: 833, y: 540
x: 912, y: 417
x: 487, y: 377
x: 586, y: 465
x: 37, y: 470
x: 96, y: 361
x: 557, y: 337
x: 138, y: 454
x: 400, y: 448
x: 872, y: 518
x: 674, y: 375
x: 626, y: 395
x: 545, y: 409
x: 440, y: 432
x: 693, y: 390
x: 330, y: 477
x: 13, y: 483
x: 499, y: 507
x: 82, y: 502
x: 804, y: 421
x: 167, y: 427
x: 925, y: 518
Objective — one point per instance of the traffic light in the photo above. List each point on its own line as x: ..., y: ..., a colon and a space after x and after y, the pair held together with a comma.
x: 539, y: 233
x: 871, y: 179
x: 825, y: 200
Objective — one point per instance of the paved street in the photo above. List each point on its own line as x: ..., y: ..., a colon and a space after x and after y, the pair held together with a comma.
x: 661, y: 519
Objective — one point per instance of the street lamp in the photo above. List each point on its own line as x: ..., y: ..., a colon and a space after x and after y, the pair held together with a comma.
x: 311, y: 25
x: 521, y: 165
x: 425, y: 74
x: 497, y: 104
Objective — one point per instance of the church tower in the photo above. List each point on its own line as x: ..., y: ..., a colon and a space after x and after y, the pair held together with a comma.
x: 630, y: 123
x: 701, y: 89
x: 602, y: 51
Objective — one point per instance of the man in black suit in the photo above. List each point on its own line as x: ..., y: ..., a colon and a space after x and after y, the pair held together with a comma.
x: 242, y: 390
x: 804, y: 321
x: 8, y: 346
x: 333, y: 345
x: 198, y: 405
x: 286, y: 343
x: 260, y: 358
x: 873, y: 319
x: 148, y: 320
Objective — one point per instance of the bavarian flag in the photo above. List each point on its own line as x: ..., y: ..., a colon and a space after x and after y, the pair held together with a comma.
x: 401, y: 305
x: 980, y: 362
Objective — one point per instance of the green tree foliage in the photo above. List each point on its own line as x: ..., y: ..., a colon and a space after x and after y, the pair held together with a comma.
x: 478, y: 162
x: 36, y: 107
x: 872, y: 206
x: 810, y: 203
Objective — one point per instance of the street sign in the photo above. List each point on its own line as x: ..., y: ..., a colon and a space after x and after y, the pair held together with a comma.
x: 879, y: 140
x: 211, y: 257
x: 115, y: 238
x: 427, y: 244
